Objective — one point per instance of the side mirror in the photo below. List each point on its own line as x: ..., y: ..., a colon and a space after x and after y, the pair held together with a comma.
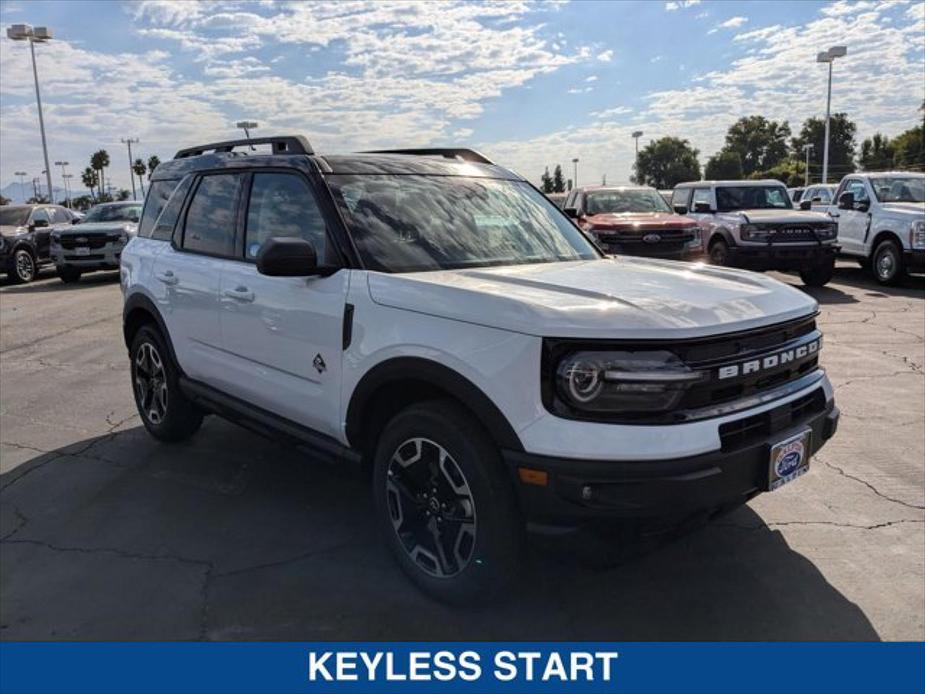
x: 284, y: 256
x: 680, y: 209
x: 846, y: 201
x: 571, y: 212
x: 76, y: 220
x: 806, y: 205
x: 702, y: 207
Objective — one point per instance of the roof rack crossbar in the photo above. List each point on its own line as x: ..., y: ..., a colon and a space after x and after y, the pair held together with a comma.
x: 284, y: 144
x: 445, y: 152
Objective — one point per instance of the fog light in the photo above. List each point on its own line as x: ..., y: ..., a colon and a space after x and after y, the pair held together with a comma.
x: 586, y: 493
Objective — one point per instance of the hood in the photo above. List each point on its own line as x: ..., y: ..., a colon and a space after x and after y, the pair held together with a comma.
x: 646, y: 220
x: 8, y: 230
x: 95, y: 227
x: 915, y: 209
x: 622, y: 297
x: 784, y: 216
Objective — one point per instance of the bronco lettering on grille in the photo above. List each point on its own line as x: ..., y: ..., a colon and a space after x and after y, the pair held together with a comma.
x: 769, y: 362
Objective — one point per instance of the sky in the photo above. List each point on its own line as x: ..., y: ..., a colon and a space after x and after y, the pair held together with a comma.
x: 528, y: 84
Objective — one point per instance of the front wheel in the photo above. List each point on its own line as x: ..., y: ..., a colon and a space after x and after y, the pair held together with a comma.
x: 888, y: 263
x: 445, y: 506
x: 165, y: 411
x: 818, y: 275
x: 24, y: 267
x: 719, y: 252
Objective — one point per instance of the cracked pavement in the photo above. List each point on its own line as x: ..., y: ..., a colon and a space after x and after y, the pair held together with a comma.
x: 107, y: 534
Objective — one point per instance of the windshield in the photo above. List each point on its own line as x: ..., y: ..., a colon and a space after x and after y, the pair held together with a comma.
x: 113, y: 213
x: 14, y: 216
x: 899, y: 188
x: 729, y: 198
x: 412, y: 223
x: 623, y: 201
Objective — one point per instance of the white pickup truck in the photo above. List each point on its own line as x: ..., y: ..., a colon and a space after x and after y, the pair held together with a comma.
x: 881, y: 222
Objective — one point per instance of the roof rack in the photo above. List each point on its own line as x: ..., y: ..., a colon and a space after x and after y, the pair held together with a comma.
x: 283, y: 144
x: 445, y: 152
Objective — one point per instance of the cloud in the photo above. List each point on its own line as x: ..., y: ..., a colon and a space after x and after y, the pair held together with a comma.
x: 673, y: 5
x: 733, y: 22
x: 592, y: 78
x: 605, y: 56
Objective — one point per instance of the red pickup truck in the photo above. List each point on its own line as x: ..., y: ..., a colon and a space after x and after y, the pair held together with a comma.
x: 634, y: 220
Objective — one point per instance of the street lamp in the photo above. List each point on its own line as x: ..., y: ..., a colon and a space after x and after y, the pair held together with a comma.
x: 22, y: 185
x: 62, y: 164
x: 807, y: 148
x: 575, y: 164
x: 636, y: 135
x: 247, y: 126
x: 24, y: 32
x: 131, y: 172
x: 829, y: 57
x: 67, y: 187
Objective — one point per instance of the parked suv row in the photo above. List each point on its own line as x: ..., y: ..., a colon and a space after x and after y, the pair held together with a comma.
x: 25, y: 235
x: 433, y: 317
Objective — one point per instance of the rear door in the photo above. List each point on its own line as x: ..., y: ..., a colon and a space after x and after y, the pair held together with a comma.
x: 282, y: 336
x: 187, y: 273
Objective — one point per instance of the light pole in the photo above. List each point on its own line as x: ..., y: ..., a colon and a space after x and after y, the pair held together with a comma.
x: 636, y: 135
x: 247, y: 126
x: 36, y: 188
x: 807, y: 148
x: 62, y: 164
x: 575, y: 165
x: 22, y: 185
x: 131, y: 172
x: 829, y: 57
x: 67, y: 187
x: 24, y: 32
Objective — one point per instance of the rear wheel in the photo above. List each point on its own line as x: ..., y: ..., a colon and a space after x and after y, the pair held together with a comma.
x: 818, y: 275
x: 887, y: 262
x: 445, y: 506
x: 165, y: 411
x: 719, y: 252
x: 24, y: 267
x: 68, y: 274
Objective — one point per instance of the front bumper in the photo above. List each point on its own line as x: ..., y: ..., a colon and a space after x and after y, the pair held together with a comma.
x: 585, y: 492
x: 914, y: 260
x: 104, y: 258
x: 781, y: 256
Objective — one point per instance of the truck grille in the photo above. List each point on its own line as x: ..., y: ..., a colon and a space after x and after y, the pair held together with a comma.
x: 97, y: 240
x: 678, y: 237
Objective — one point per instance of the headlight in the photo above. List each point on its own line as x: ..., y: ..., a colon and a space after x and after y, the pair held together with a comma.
x: 827, y: 233
x: 750, y: 232
x: 917, y: 234
x: 56, y: 238
x: 697, y: 240
x: 614, y: 382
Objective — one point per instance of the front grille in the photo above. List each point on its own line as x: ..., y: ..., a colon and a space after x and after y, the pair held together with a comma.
x: 742, y: 432
x: 70, y: 242
x: 678, y: 236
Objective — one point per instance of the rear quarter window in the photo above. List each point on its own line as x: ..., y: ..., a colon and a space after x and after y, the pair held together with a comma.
x: 158, y: 194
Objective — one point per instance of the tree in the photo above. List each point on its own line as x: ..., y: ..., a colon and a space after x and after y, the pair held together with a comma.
x: 82, y: 202
x: 791, y: 172
x: 546, y: 180
x: 123, y: 194
x: 153, y: 161
x: 666, y: 162
x: 841, y: 145
x: 90, y: 179
x: 99, y: 161
x: 876, y: 153
x: 139, y: 169
x: 760, y: 143
x: 558, y: 182
x: 725, y: 165
x: 37, y: 200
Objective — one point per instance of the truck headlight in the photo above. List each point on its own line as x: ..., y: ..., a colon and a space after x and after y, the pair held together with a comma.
x: 750, y: 232
x: 615, y: 382
x: 917, y: 235
x: 827, y: 232
x: 55, y: 238
x: 697, y: 240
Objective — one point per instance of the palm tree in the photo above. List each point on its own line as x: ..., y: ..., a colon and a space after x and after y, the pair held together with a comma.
x: 153, y: 161
x: 99, y: 161
x: 138, y: 166
x: 90, y: 179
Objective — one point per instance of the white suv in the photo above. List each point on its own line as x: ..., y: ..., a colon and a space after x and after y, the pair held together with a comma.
x: 881, y: 222
x: 433, y: 317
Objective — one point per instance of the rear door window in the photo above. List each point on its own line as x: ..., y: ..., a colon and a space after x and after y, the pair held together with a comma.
x: 211, y: 216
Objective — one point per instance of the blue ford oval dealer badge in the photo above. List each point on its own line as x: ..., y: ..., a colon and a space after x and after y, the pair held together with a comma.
x: 789, y: 459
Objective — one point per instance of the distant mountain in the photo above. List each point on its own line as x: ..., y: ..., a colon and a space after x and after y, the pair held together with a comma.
x: 14, y: 193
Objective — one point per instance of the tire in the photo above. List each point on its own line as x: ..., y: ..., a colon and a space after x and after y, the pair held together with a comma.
x: 887, y: 263
x: 69, y: 275
x: 719, y: 253
x: 818, y: 275
x: 418, y: 502
x: 23, y: 267
x: 164, y: 410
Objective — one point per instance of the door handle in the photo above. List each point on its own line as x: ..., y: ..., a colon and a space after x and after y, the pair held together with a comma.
x: 167, y: 277
x: 242, y: 294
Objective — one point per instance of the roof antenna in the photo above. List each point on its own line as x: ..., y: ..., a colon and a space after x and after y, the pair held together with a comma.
x: 247, y: 126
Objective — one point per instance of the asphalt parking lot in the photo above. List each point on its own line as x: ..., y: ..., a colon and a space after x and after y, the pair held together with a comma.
x: 107, y: 534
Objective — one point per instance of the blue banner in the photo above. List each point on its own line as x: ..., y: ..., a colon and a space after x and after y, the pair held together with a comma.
x: 474, y: 668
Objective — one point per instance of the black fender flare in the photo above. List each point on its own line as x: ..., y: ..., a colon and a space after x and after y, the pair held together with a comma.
x: 723, y: 233
x: 137, y: 304
x: 398, y: 369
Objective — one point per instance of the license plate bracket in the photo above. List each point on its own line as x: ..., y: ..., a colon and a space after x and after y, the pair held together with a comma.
x: 82, y: 250
x: 789, y: 459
